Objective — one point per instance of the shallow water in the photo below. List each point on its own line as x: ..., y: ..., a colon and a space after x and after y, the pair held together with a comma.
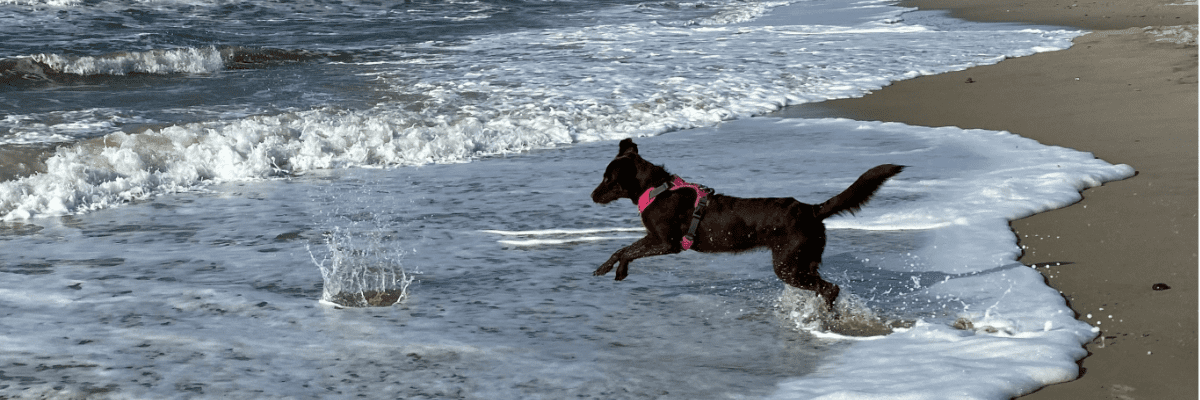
x: 201, y: 192
x: 216, y: 293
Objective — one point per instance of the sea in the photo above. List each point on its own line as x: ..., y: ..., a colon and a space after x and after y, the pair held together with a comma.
x: 303, y: 199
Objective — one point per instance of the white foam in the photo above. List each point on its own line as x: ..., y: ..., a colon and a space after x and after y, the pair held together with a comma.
x: 62, y: 126
x: 553, y: 237
x: 992, y: 358
x: 552, y: 242
x: 547, y: 232
x: 901, y: 223
x: 1178, y: 34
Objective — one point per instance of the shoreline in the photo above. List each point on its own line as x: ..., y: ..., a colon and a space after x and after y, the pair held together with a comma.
x: 1129, y: 98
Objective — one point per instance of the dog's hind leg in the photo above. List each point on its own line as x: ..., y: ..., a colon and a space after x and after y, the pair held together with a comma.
x: 796, y: 264
x: 644, y: 247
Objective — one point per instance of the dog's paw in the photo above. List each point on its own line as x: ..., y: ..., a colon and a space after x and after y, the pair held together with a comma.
x: 604, y: 268
x: 830, y: 294
x: 622, y: 271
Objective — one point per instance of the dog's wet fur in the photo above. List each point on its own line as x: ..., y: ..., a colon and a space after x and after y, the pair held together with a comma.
x: 793, y: 231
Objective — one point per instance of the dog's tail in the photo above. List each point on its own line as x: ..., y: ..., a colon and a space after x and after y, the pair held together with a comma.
x: 851, y: 199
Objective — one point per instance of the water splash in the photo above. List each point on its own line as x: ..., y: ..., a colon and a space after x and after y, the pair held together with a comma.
x: 850, y: 315
x: 361, y: 270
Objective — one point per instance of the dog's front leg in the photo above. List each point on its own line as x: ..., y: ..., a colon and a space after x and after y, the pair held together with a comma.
x: 608, y: 265
x: 644, y: 247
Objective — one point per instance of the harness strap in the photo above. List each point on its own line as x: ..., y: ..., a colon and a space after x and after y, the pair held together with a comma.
x: 649, y: 194
x: 701, y: 204
x: 690, y: 237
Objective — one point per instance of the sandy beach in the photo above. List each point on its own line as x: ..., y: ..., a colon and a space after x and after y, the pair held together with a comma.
x: 1126, y: 92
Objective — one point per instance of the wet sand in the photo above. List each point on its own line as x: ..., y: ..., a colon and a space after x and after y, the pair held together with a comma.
x: 1128, y: 94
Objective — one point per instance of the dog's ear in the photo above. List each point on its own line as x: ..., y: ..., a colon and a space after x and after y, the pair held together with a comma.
x: 627, y: 146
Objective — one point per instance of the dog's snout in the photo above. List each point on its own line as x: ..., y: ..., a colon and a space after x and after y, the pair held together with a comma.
x: 605, y: 193
x: 596, y: 195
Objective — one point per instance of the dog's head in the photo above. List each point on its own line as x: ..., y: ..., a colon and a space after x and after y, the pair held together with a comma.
x: 621, y: 177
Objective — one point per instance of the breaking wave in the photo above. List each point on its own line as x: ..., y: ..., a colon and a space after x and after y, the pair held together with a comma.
x: 450, y: 102
x: 203, y: 60
x: 125, y: 167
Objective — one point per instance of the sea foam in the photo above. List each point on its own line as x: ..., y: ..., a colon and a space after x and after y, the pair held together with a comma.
x: 557, y: 87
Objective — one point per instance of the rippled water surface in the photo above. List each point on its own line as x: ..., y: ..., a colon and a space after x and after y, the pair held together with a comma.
x: 197, y: 197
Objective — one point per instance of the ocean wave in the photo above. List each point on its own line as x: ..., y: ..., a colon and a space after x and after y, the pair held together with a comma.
x: 125, y: 167
x: 496, y: 95
x: 202, y: 60
x: 174, y: 61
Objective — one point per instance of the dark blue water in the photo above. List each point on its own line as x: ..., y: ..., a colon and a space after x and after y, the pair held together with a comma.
x: 275, y: 55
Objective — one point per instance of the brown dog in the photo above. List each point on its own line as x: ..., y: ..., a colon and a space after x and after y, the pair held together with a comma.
x: 678, y: 215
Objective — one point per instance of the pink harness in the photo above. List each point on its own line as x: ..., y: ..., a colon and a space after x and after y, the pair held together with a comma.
x: 675, y: 184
